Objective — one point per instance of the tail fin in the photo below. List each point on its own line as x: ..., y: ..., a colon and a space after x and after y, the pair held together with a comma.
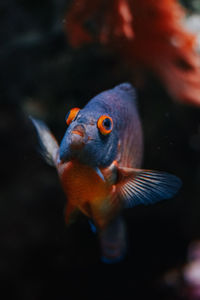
x: 48, y: 144
x: 113, y: 242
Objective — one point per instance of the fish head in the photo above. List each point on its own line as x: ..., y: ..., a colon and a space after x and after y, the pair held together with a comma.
x: 91, y: 138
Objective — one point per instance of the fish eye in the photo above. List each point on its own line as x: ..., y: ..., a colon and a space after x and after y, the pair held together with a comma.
x: 71, y: 115
x: 105, y: 124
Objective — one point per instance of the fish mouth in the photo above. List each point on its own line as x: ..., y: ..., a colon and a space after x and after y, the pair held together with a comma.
x: 78, y: 132
x: 77, y: 143
x: 78, y: 137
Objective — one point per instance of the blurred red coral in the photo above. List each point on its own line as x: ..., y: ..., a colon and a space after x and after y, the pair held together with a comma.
x: 148, y: 33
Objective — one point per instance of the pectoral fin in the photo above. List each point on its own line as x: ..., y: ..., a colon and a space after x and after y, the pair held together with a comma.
x: 48, y: 144
x: 137, y: 186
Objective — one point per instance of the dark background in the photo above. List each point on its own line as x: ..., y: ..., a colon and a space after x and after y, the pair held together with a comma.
x: 41, y: 75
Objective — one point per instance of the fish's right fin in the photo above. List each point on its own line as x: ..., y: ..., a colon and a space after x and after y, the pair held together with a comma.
x: 48, y: 144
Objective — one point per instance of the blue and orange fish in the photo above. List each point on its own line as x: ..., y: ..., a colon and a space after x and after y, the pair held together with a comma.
x: 99, y: 162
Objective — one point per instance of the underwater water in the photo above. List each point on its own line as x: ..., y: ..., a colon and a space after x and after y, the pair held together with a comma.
x: 43, y: 76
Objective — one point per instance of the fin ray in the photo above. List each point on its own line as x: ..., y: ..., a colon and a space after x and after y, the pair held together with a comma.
x: 48, y: 144
x: 145, y: 186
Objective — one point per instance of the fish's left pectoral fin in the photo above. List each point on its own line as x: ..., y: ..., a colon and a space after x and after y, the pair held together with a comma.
x: 146, y: 187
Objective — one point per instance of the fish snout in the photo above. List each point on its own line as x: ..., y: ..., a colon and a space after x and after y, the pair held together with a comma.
x: 78, y: 137
x: 79, y: 129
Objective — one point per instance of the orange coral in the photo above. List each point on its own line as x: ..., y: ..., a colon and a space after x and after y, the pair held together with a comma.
x: 148, y: 33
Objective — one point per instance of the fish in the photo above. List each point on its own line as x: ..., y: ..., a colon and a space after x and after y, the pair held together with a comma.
x: 99, y: 165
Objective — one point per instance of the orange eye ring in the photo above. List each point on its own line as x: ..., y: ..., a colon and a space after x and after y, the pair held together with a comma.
x: 105, y: 124
x: 72, y: 115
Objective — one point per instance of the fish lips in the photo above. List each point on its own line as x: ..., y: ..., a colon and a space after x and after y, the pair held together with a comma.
x: 73, y: 143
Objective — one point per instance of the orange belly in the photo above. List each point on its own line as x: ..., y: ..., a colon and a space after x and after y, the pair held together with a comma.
x: 85, y: 190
